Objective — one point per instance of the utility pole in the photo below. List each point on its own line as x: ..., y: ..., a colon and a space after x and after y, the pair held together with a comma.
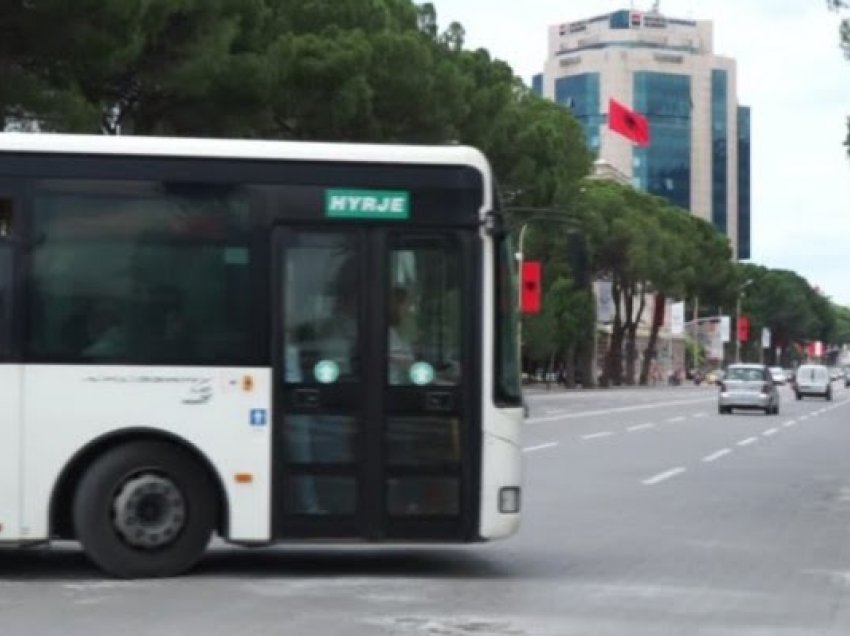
x: 741, y: 289
x: 695, y: 321
x: 737, y: 328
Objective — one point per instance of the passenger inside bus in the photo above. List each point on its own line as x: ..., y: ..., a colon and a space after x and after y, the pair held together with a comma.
x: 322, y: 328
x: 399, y: 351
x: 107, y: 333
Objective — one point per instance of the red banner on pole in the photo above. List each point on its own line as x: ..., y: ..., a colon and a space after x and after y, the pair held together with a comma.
x: 531, y: 287
x: 743, y: 328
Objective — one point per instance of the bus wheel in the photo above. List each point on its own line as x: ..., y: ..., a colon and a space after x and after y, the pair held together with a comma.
x: 145, y: 509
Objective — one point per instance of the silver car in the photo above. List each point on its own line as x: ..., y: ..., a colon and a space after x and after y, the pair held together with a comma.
x: 748, y: 386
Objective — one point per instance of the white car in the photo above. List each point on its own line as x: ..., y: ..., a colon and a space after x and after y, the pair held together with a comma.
x: 813, y: 379
x: 778, y: 375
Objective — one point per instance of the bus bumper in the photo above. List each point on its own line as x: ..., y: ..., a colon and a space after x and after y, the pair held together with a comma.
x: 501, y: 487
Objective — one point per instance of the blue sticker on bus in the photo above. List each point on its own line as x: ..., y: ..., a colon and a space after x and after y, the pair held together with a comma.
x: 258, y: 417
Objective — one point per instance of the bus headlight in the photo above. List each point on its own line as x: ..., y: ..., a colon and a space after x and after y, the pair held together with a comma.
x: 509, y: 499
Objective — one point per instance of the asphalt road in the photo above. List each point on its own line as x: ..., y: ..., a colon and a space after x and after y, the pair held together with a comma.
x: 645, y: 512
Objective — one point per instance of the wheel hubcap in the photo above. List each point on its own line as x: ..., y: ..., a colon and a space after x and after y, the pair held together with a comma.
x: 149, y: 511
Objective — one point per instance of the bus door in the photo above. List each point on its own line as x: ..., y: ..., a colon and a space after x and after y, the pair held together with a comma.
x: 10, y: 374
x: 373, y: 347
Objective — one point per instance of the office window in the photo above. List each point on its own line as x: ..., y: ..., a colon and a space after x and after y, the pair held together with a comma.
x: 537, y: 84
x: 664, y: 168
x: 580, y: 93
x: 743, y: 182
x: 620, y: 20
x: 719, y: 150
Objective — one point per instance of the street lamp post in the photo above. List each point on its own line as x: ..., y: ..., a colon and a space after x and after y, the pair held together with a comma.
x: 738, y: 318
x: 520, y: 256
x: 550, y: 215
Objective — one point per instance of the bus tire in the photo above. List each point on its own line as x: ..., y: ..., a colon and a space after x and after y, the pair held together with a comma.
x: 145, y: 509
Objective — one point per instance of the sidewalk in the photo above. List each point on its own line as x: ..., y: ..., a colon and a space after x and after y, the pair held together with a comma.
x: 539, y: 388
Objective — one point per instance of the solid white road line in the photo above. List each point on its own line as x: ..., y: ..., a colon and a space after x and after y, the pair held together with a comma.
x: 655, y: 479
x: 789, y: 423
x: 597, y: 435
x: 748, y: 441
x: 640, y: 427
x: 528, y: 449
x: 717, y: 455
x: 770, y: 431
x: 611, y: 411
x: 699, y: 415
x: 679, y: 418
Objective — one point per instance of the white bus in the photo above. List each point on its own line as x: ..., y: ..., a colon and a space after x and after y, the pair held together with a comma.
x: 267, y: 341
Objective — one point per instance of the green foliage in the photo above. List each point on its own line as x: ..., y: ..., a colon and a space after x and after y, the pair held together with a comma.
x: 643, y: 245
x: 840, y: 334
x: 844, y: 41
x: 562, y: 324
x: 790, y: 307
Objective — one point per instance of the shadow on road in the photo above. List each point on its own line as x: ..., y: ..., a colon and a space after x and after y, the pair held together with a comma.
x: 416, y: 562
x: 67, y: 563
x: 39, y: 564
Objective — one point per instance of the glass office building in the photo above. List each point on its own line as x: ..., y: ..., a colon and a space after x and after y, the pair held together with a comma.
x: 665, y: 69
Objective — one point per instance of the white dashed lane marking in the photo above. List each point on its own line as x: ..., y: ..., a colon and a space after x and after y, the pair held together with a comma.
x: 717, y: 455
x: 640, y: 427
x: 597, y: 435
x: 667, y: 474
x: 528, y: 449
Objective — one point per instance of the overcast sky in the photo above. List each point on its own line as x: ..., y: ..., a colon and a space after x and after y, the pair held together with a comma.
x: 790, y: 72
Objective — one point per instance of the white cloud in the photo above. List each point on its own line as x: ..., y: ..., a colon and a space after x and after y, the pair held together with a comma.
x: 790, y: 72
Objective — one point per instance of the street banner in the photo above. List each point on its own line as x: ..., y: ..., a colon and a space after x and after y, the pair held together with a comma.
x: 725, y: 328
x: 604, y: 301
x: 715, y: 348
x: 743, y: 328
x: 677, y: 320
x: 530, y: 301
x: 765, y: 338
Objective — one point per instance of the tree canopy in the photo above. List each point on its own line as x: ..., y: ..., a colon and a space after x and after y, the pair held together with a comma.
x: 385, y: 71
x: 789, y: 306
x: 844, y: 40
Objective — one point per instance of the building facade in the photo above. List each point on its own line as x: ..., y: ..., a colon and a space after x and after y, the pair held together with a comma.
x: 665, y: 69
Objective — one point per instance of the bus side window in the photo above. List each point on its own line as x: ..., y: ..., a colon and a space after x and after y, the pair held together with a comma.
x: 5, y: 299
x: 7, y: 206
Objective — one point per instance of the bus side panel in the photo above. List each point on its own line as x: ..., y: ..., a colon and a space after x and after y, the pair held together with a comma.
x: 224, y: 413
x: 10, y: 457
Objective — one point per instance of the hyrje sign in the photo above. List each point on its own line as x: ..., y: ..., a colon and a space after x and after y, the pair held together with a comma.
x: 367, y: 204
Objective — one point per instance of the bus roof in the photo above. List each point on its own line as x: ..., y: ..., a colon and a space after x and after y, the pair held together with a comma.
x: 245, y: 149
